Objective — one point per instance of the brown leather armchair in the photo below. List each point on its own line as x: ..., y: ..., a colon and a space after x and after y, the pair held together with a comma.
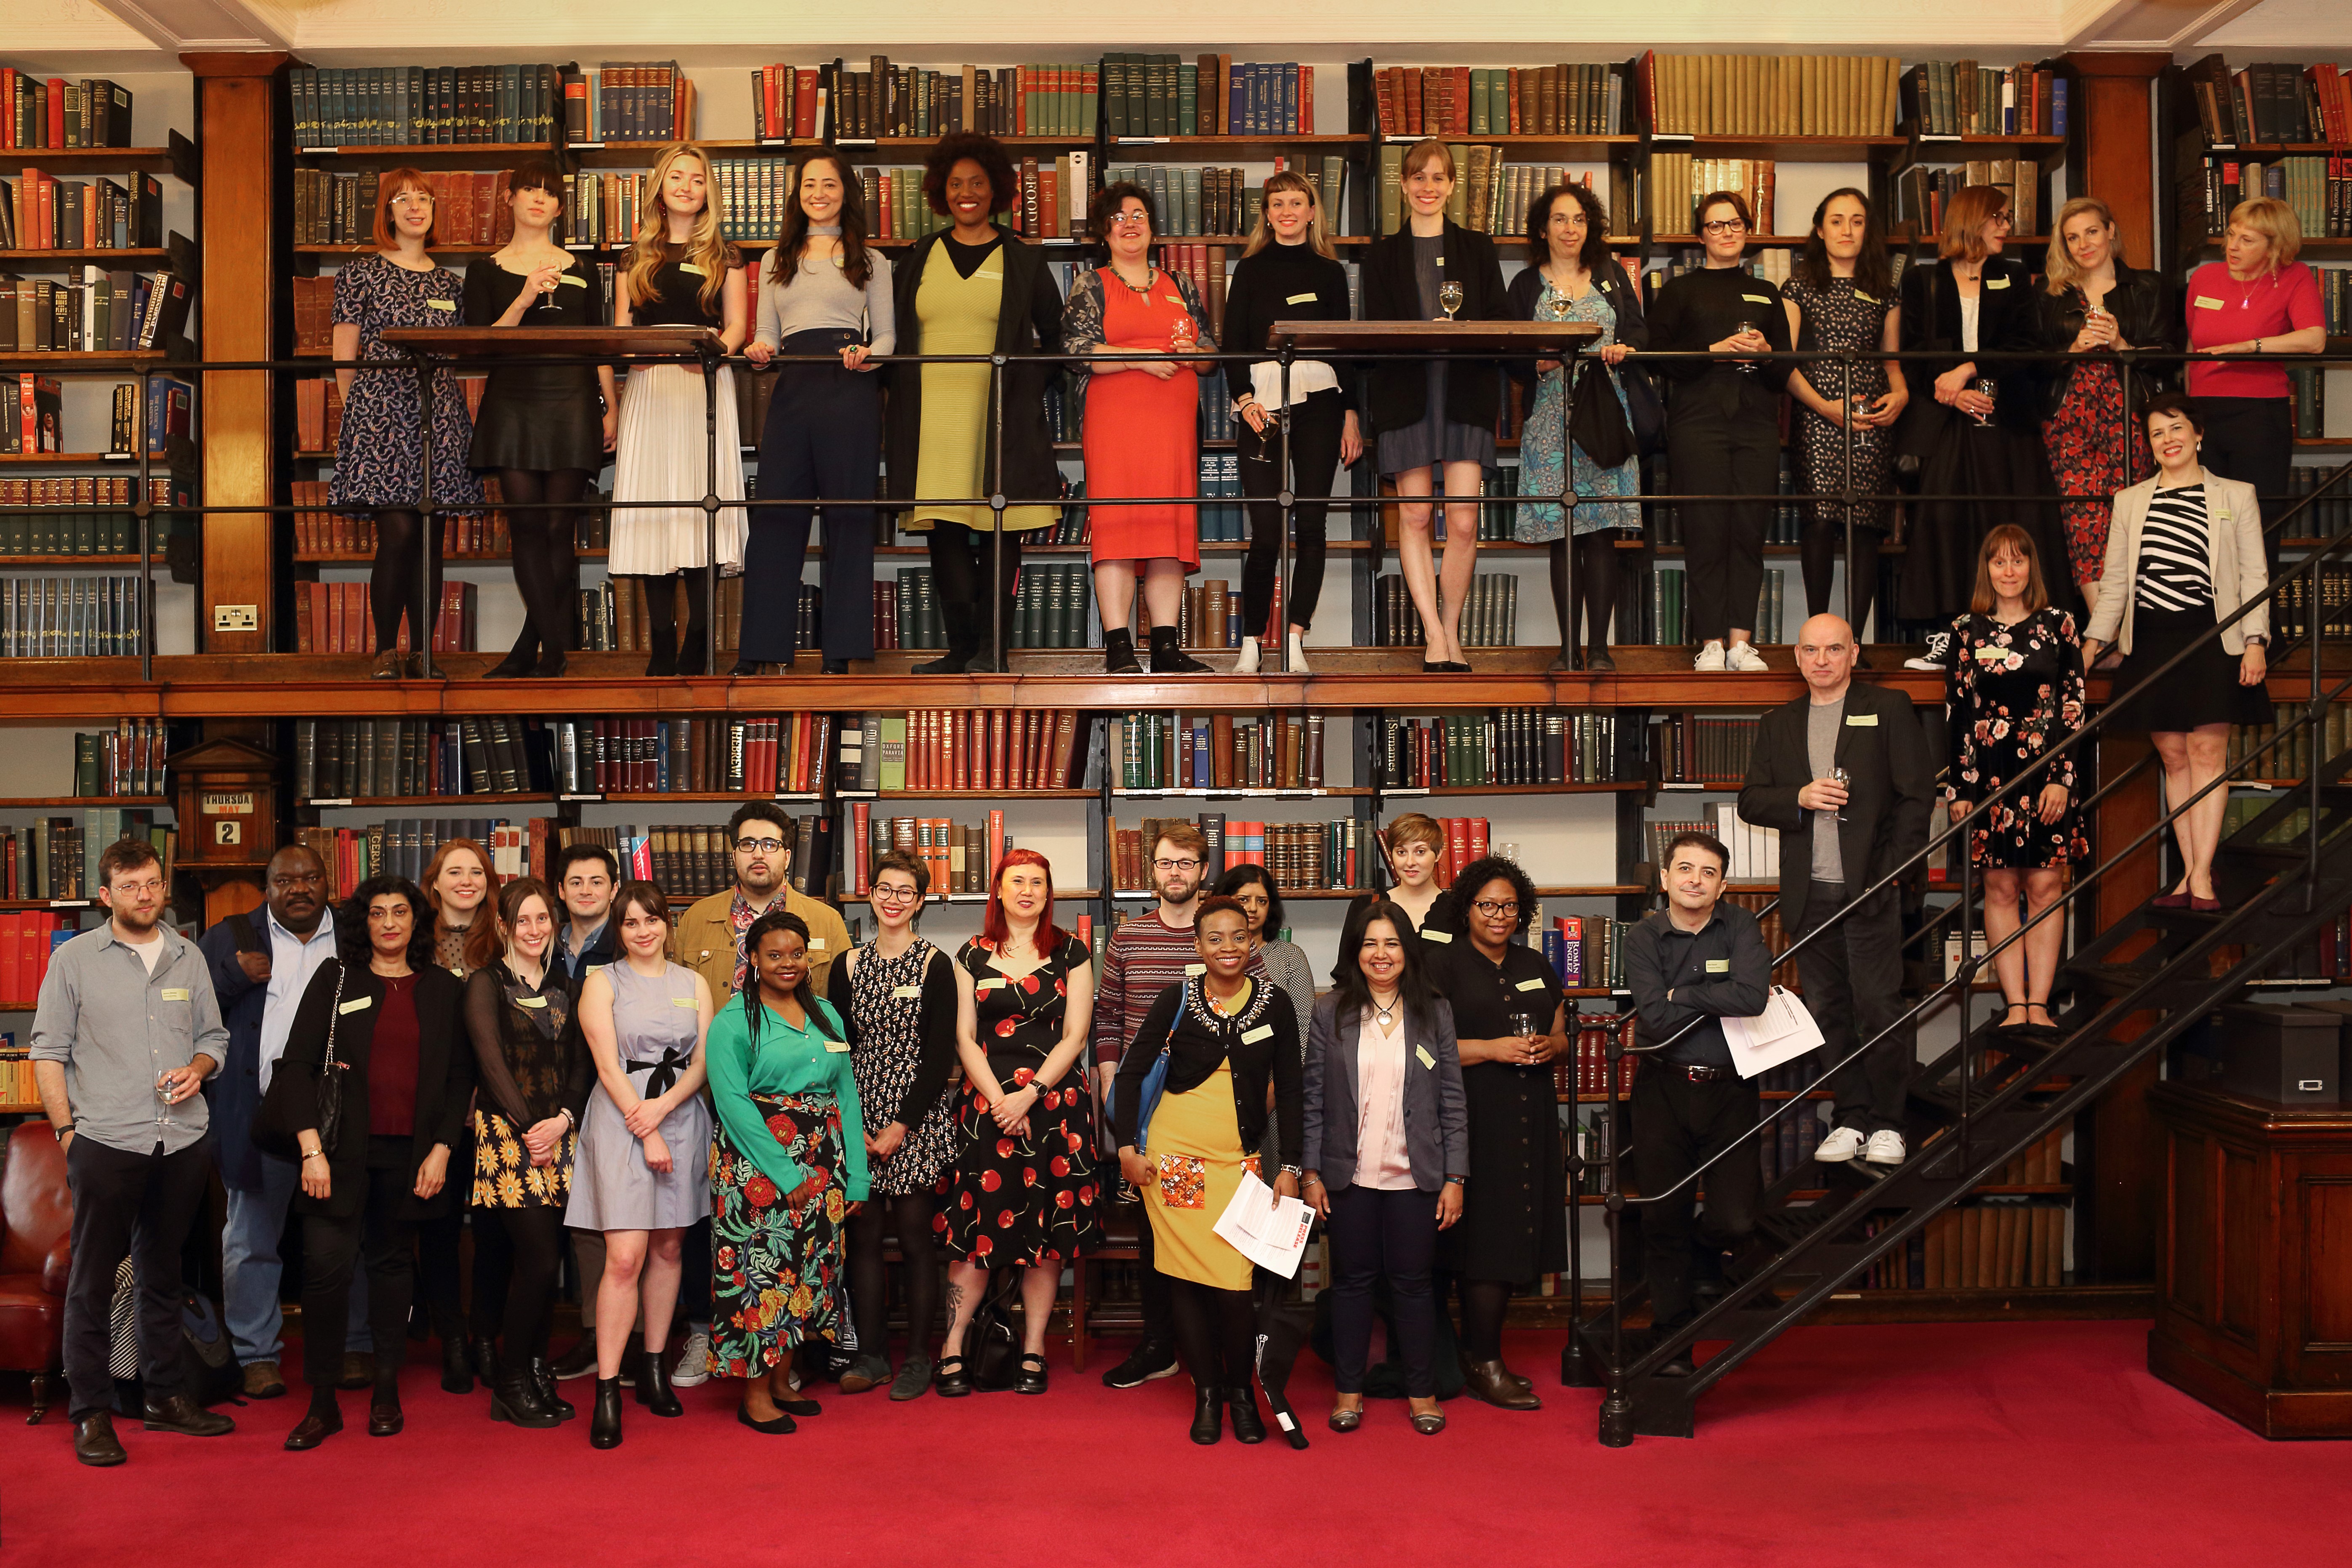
x: 36, y: 1250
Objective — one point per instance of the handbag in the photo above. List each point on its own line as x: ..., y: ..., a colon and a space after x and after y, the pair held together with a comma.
x: 1596, y: 423
x: 989, y: 1344
x: 1646, y: 408
x: 274, y: 1131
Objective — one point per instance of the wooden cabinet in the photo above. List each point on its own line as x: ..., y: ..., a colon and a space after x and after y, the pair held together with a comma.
x: 2255, y: 1291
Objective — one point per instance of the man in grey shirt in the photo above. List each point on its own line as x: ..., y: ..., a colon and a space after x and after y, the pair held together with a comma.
x: 126, y: 1032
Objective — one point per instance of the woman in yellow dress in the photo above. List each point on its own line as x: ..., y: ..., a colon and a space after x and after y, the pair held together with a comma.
x: 1225, y: 1036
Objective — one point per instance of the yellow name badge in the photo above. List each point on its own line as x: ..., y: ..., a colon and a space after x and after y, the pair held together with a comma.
x: 1862, y: 721
x: 2207, y: 303
x: 1996, y: 282
x: 690, y: 266
x: 905, y: 993
x: 1306, y: 298
x: 1192, y: 969
x: 1437, y: 936
x: 357, y: 1004
x: 574, y: 279
x: 1530, y: 986
x: 991, y: 984
x: 1865, y: 298
x: 838, y: 1047
x: 175, y: 992
x: 1426, y: 1060
x: 442, y: 304
x: 531, y: 1000
x: 816, y: 942
x: 683, y: 1002
x: 1718, y: 966
x: 1263, y: 1032
x: 1758, y: 298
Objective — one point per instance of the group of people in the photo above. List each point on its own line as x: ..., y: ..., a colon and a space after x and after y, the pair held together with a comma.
x: 1998, y: 444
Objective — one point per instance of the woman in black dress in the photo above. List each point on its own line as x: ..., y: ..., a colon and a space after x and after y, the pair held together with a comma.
x: 542, y: 429
x: 2012, y: 690
x: 1510, y: 1025
x: 1023, y: 1191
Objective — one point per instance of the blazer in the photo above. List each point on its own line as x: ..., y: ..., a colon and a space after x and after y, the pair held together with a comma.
x: 2006, y: 316
x: 1391, y: 293
x: 1888, y: 800
x: 234, y: 1092
x: 1436, y: 1124
x: 2233, y: 556
x: 2142, y: 304
x: 444, y: 1078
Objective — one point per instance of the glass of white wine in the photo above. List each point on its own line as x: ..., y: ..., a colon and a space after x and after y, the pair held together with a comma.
x: 1449, y: 297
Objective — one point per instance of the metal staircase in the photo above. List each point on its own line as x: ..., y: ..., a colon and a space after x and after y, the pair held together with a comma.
x: 2281, y: 877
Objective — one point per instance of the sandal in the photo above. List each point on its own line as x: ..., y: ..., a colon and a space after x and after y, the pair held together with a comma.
x: 1031, y: 1378
x: 952, y: 1379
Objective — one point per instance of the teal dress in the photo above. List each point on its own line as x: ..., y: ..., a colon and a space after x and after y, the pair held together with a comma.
x: 1539, y: 438
x: 781, y: 1103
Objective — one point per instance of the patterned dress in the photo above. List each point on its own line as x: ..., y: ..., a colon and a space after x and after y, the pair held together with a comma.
x: 1540, y: 439
x: 379, y: 456
x: 1033, y: 1199
x: 2009, y: 694
x: 2086, y: 457
x: 1841, y: 317
x: 887, y: 1048
x: 536, y: 1046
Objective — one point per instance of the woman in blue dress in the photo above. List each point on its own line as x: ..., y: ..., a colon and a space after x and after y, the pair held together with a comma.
x: 1572, y: 276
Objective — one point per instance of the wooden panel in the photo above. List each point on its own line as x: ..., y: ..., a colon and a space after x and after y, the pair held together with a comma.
x: 2128, y: 1161
x: 2189, y: 1286
x: 236, y: 109
x: 2326, y: 1253
x: 2242, y: 1244
x: 2114, y: 106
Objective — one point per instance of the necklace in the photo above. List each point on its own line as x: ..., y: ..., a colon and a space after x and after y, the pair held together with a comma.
x: 1385, y: 1011
x: 1151, y: 276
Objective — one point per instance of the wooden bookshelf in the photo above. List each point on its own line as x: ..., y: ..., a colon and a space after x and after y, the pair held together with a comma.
x: 62, y: 256
x: 439, y: 155
x: 176, y: 158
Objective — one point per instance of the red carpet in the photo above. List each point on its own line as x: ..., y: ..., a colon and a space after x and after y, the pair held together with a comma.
x: 1911, y: 1446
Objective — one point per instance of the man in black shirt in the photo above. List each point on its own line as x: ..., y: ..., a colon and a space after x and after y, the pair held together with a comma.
x: 1696, y: 963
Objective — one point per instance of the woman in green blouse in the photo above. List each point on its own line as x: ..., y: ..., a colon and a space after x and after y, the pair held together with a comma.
x: 783, y: 1176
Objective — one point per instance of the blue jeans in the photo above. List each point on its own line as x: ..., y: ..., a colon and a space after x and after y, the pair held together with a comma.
x: 251, y: 1270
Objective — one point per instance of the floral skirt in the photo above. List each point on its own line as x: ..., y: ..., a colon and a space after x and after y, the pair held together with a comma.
x: 504, y: 1177
x: 775, y: 1268
x: 1023, y: 1200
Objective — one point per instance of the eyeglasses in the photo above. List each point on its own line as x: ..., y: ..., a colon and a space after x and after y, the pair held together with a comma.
x: 1724, y: 225
x: 412, y: 199
x: 890, y: 893
x: 758, y: 846
x: 1129, y: 220
x: 2002, y: 219
x: 152, y: 885
x: 1491, y: 908
x: 1175, y: 865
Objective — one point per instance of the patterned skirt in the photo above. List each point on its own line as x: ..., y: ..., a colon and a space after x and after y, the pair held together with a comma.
x: 775, y: 1268
x: 1023, y: 1200
x: 504, y: 1177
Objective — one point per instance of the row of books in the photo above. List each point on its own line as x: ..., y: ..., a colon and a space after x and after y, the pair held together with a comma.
x: 1789, y: 1143
x: 1216, y: 751
x: 2291, y: 610
x: 1300, y: 856
x: 27, y: 937
x: 336, y: 207
x: 694, y: 860
x: 960, y: 856
x: 1664, y: 605
x: 1584, y: 1073
x: 958, y: 749
x: 1784, y: 524
x: 1694, y: 748
x: 391, y: 759
x: 126, y: 759
x: 340, y: 617
x: 1772, y: 264
x: 1770, y: 95
x: 320, y: 531
x: 2306, y: 392
x: 1763, y: 904
x: 786, y: 754
x: 808, y: 103
x: 612, y: 614
x: 1166, y: 95
x: 85, y: 514
x: 2336, y: 299
x: 1588, y: 953
x: 1588, y: 99
x: 2285, y: 748
x: 57, y: 857
x: 1755, y: 851
x: 70, y: 618
x: 405, y: 848
x: 1503, y: 746
x: 41, y: 213
x: 92, y: 311
x: 2269, y: 102
x: 1490, y: 615
x: 1998, y: 1244
x: 1923, y: 191
x: 54, y: 111
x: 415, y: 106
x: 1962, y: 98
x: 1677, y: 181
x: 1193, y: 201
x: 629, y: 100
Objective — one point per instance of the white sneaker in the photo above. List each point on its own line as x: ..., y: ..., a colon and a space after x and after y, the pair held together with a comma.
x: 694, y: 1363
x: 1297, y: 653
x: 1838, y: 1149
x: 1247, y: 663
x: 1885, y: 1148
x: 1711, y: 657
x: 1743, y: 658
x: 1939, y: 645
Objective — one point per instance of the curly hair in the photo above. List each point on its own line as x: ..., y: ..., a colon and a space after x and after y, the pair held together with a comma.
x: 351, y: 942
x: 1472, y: 879
x: 1109, y: 199
x: 1595, y: 256
x: 1003, y: 186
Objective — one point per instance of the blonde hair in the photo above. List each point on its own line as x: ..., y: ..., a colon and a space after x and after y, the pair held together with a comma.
x: 706, y: 246
x: 1973, y: 208
x: 2275, y: 221
x: 1261, y: 235
x: 2060, y: 271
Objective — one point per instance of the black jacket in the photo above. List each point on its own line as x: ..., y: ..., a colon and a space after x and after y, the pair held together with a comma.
x: 1721, y: 971
x: 444, y: 1078
x: 234, y: 1093
x: 1391, y: 293
x: 2146, y: 316
x: 1697, y: 310
x: 1030, y: 474
x: 1890, y: 794
x: 2006, y: 318
x: 1261, y: 1043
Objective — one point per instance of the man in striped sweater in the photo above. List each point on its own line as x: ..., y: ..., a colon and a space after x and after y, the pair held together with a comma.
x: 1143, y: 957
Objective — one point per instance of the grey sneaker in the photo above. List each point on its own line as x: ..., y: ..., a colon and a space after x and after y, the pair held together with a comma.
x: 693, y: 1362
x: 914, y: 1378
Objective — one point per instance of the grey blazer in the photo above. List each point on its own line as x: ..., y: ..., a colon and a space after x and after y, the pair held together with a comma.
x: 1436, y: 1126
x: 2233, y: 556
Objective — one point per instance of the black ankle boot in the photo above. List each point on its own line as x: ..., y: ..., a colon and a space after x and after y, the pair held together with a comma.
x: 515, y: 1398
x: 694, y: 650
x: 544, y: 1376
x: 958, y: 622
x: 485, y: 1355
x: 1167, y: 655
x: 604, y: 1426
x: 1119, y: 653
x: 1249, y: 1426
x: 519, y: 659
x: 1208, y: 1413
x: 654, y: 1391
x: 457, y: 1372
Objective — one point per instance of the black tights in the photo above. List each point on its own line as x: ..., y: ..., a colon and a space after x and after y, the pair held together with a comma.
x: 689, y: 654
x: 1217, y: 1332
x: 546, y: 562
x: 391, y: 586
x: 962, y: 559
x: 909, y: 1215
x: 536, y: 1236
x: 1818, y: 552
x: 1484, y: 1302
x: 1596, y: 588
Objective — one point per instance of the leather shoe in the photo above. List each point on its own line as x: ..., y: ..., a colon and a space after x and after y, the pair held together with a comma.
x: 262, y: 1380
x: 1208, y: 1413
x: 456, y: 1369
x: 605, y: 1424
x: 1031, y: 1377
x: 183, y: 1415
x: 385, y: 1420
x: 483, y: 1351
x: 1491, y: 1381
x: 952, y: 1379
x: 652, y: 1384
x: 313, y: 1430
x: 545, y: 1378
x: 1346, y: 1420
x: 577, y: 1361
x: 1679, y: 1365
x: 95, y: 1442
x: 1249, y: 1425
x: 776, y: 1428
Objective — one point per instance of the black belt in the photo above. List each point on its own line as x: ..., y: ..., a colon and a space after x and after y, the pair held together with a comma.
x: 1699, y: 1074
x: 665, y: 1071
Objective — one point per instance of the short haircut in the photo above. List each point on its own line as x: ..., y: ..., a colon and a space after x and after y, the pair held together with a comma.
x: 2009, y: 536
x: 390, y: 183
x: 1416, y: 827
x: 2275, y: 221
x: 2178, y: 402
x: 1737, y: 203
x: 1707, y: 841
x: 1112, y: 197
x: 126, y: 855
x: 1250, y: 874
x: 573, y: 853
x: 1185, y: 835
x: 1003, y: 188
x: 1218, y: 904
x: 899, y: 860
x: 762, y: 811
x: 1962, y: 238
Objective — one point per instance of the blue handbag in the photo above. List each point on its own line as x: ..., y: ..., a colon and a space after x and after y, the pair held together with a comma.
x: 1155, y: 1084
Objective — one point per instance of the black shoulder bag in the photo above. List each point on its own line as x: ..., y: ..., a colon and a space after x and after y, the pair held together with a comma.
x: 274, y: 1130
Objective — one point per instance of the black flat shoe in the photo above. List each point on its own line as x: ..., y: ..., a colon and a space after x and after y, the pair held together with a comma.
x: 776, y: 1428
x: 1346, y: 1420
x: 1249, y: 1425
x: 1455, y: 667
x: 1208, y: 1413
x: 385, y: 1420
x: 604, y: 1424
x: 1434, y: 667
x: 952, y: 1379
x: 548, y: 668
x: 517, y: 1399
x: 457, y: 1370
x: 660, y: 669
x: 1598, y: 658
x: 313, y: 1430
x: 1167, y: 655
x: 514, y: 666
x: 1563, y: 663
x: 1031, y: 1378
x: 1119, y: 654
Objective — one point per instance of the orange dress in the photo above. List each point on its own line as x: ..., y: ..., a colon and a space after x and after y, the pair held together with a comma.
x: 1142, y: 434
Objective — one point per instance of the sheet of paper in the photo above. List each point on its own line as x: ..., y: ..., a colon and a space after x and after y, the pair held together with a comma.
x: 1782, y: 1032
x: 1269, y: 1231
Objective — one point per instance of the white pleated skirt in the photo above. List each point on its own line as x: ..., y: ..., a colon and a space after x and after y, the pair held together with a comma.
x: 662, y: 454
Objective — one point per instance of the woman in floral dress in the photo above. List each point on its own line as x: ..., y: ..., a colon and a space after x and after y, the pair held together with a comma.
x: 2013, y: 689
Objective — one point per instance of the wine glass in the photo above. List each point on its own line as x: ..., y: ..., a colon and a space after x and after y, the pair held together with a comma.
x: 1844, y: 781
x: 1449, y: 298
x: 1986, y: 386
x: 1748, y: 324
x: 1522, y: 1027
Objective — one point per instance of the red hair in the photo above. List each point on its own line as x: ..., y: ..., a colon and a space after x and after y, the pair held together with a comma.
x: 992, y: 929
x: 390, y: 183
x: 432, y: 876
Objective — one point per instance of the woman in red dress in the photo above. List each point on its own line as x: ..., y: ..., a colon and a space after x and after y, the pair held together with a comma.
x: 1142, y: 428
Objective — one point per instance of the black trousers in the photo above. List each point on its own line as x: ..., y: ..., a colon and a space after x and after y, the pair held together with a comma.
x: 381, y: 1236
x: 141, y: 1206
x: 1854, y: 988
x: 1375, y: 1233
x: 2251, y: 439
x: 694, y: 1274
x: 823, y: 437
x: 440, y: 1257
x: 1157, y: 1292
x: 1316, y: 426
x: 1677, y: 1126
x: 1712, y: 452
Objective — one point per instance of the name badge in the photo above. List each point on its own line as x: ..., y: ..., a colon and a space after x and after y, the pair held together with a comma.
x: 1758, y: 298
x: 594, y: 968
x: 1865, y: 298
x: 1862, y: 721
x: 837, y: 1048
x: 904, y: 993
x: 815, y: 943
x: 1718, y: 966
x: 1172, y: 299
x: 442, y: 304
x: 531, y: 1000
x: 2223, y: 515
x: 1308, y: 298
x: 2207, y: 303
x: 1426, y: 1060
x: 1529, y: 985
x: 985, y: 275
x: 1437, y: 936
x: 991, y: 984
x: 690, y: 266
x: 175, y: 992
x: 1192, y: 969
x: 1996, y: 282
x: 357, y: 1004
x: 574, y: 279
x: 684, y: 1002
x: 1263, y: 1032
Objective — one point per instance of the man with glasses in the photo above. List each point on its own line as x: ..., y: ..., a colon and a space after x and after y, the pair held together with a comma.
x: 260, y: 964
x: 1692, y: 966
x: 125, y: 1032
x: 1144, y: 956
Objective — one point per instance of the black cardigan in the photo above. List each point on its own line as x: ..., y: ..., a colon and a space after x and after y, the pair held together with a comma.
x: 1030, y: 472
x: 444, y: 1078
x: 2146, y: 316
x: 2005, y: 321
x: 1392, y: 293
x: 1264, y: 291
x: 1262, y: 1042
x: 935, y: 1028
